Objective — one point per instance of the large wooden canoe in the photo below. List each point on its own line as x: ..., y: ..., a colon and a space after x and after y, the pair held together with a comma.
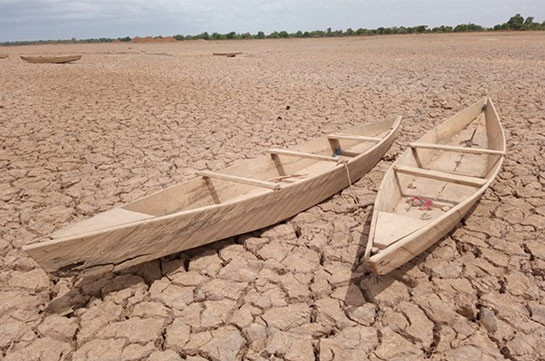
x: 4, y: 56
x: 433, y: 184
x: 247, y: 196
x: 51, y: 59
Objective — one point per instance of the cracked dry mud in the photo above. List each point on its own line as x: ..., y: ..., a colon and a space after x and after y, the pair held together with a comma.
x: 126, y: 121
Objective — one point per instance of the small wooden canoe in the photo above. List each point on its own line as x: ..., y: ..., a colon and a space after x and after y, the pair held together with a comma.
x: 433, y: 184
x: 245, y: 197
x: 4, y: 56
x: 229, y: 55
x: 51, y: 59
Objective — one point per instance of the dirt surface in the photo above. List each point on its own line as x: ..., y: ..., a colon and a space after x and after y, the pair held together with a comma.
x: 130, y: 119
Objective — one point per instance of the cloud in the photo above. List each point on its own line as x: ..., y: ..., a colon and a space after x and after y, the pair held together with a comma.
x: 39, y: 19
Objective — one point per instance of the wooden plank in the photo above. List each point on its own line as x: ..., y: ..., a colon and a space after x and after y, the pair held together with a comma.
x: 237, y: 179
x: 442, y: 176
x: 113, y: 217
x: 292, y: 153
x: 353, y: 137
x: 391, y: 227
x: 453, y: 148
x: 416, y: 158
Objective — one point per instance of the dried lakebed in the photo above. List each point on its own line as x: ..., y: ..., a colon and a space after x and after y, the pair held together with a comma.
x: 124, y: 121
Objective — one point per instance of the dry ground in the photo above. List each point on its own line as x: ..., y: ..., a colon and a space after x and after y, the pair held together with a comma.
x: 131, y: 119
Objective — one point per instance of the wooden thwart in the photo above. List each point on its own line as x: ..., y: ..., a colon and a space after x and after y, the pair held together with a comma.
x: 443, y: 176
x: 293, y: 153
x: 453, y: 148
x: 237, y: 179
x: 354, y: 137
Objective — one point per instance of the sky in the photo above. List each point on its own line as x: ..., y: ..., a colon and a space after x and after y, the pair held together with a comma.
x: 64, y: 19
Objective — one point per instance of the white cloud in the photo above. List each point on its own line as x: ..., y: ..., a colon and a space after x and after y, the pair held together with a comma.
x: 38, y: 19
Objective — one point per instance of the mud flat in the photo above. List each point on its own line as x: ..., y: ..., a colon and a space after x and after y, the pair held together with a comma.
x: 130, y: 119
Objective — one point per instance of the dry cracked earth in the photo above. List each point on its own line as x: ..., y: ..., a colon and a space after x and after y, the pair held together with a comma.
x: 130, y: 119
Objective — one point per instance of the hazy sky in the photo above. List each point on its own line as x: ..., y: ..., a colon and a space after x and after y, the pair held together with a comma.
x: 64, y: 19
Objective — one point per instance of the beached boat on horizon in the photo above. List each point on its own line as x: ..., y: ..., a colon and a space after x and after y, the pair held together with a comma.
x: 51, y: 59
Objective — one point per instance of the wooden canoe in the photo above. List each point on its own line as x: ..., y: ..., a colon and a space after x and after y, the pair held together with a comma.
x: 51, y: 59
x: 433, y: 184
x: 229, y: 55
x: 4, y: 56
x: 245, y: 197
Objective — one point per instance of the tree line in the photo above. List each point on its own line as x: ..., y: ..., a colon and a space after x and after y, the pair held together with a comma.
x: 515, y: 23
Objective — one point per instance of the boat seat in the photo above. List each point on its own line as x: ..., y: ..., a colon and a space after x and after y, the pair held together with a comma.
x: 441, y: 176
x: 292, y: 153
x: 454, y: 148
x: 391, y: 227
x: 354, y: 137
x: 237, y: 179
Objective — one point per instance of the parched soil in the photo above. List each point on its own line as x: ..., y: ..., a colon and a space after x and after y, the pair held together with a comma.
x: 130, y: 119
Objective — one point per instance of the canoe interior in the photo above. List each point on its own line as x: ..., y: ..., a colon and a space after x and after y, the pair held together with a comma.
x: 204, y: 192
x: 399, y: 214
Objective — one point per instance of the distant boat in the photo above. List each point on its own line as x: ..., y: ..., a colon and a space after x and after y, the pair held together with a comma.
x: 4, y: 56
x: 245, y: 197
x: 229, y: 55
x: 51, y: 59
x: 433, y: 184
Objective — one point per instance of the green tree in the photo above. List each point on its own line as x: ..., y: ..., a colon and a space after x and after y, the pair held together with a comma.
x: 260, y: 35
x: 361, y: 31
x: 421, y: 28
x: 516, y: 22
x: 216, y: 36
x: 529, y: 23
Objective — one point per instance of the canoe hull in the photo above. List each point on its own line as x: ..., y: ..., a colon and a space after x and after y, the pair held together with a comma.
x: 413, y: 244
x: 50, y: 59
x: 147, y: 240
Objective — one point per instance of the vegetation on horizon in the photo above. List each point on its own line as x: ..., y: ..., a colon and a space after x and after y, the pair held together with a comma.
x: 515, y: 23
